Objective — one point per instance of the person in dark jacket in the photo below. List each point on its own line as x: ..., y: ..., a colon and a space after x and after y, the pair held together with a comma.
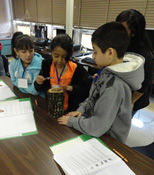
x: 135, y: 23
x: 2, y: 70
x: 71, y: 77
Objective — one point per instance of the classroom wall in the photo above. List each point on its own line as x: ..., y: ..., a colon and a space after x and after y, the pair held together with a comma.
x: 5, y: 19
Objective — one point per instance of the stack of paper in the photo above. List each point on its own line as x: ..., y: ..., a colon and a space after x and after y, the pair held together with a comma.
x: 5, y: 92
x: 17, y: 118
x: 88, y: 158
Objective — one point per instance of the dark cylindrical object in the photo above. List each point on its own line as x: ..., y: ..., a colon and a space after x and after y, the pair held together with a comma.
x: 55, y: 102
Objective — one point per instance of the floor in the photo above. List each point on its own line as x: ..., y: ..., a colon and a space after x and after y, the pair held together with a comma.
x: 142, y: 129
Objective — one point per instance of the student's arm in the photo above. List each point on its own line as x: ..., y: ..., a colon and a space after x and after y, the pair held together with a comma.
x: 147, y: 79
x: 45, y: 72
x: 105, y: 112
x: 80, y: 82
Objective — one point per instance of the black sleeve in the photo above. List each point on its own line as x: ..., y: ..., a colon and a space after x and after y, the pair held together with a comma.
x: 45, y: 72
x: 147, y: 73
x: 81, y: 83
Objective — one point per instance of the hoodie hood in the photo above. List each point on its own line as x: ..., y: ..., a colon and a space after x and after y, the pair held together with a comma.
x: 131, y: 70
x: 36, y: 62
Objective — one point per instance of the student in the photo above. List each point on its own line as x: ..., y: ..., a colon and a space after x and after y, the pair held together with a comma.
x: 26, y: 66
x: 135, y: 24
x: 14, y: 41
x: 67, y: 74
x: 108, y: 107
x: 2, y: 68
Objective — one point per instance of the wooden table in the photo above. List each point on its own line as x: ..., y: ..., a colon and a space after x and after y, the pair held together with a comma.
x: 30, y: 155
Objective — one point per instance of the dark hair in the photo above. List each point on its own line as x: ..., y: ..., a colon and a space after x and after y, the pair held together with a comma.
x: 136, y: 24
x: 114, y: 35
x: 13, y: 42
x: 65, y: 42
x: 24, y: 42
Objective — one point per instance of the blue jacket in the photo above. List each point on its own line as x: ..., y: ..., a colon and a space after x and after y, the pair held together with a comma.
x: 16, y: 70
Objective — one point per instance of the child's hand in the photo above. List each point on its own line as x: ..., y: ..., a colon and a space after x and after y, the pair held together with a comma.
x: 74, y: 114
x: 40, y: 79
x: 66, y: 88
x: 94, y: 76
x: 63, y: 120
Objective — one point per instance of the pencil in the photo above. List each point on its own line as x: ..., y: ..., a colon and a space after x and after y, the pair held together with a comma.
x: 36, y: 102
x: 48, y: 78
x: 120, y: 155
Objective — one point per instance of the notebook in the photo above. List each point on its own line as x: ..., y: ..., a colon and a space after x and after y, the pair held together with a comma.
x: 88, y: 156
x: 5, y: 92
x: 17, y: 118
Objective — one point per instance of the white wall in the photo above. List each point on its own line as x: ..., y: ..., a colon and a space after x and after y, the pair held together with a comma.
x: 5, y: 19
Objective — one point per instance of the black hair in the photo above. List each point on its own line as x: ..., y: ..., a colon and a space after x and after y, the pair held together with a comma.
x: 24, y: 42
x: 13, y: 42
x: 136, y: 24
x: 111, y: 35
x: 65, y: 42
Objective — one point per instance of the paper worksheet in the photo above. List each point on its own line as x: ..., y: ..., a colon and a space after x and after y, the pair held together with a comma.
x: 66, y: 145
x: 91, y: 158
x: 17, y: 118
x: 5, y: 91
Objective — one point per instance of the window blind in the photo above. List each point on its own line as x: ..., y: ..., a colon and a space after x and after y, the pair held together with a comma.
x: 149, y: 14
x: 117, y: 6
x: 31, y: 10
x: 18, y: 9
x: 59, y: 12
x: 76, y: 14
x: 44, y: 11
x: 87, y: 13
x: 93, y: 13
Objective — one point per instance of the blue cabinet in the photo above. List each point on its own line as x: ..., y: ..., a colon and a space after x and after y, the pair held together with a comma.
x: 6, y: 47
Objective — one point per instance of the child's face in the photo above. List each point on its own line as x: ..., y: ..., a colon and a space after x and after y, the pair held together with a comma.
x: 25, y: 55
x: 59, y: 55
x: 127, y: 28
x: 101, y: 59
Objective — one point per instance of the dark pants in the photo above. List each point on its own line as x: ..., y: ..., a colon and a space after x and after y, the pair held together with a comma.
x: 2, y: 70
x: 133, y: 113
x: 146, y: 150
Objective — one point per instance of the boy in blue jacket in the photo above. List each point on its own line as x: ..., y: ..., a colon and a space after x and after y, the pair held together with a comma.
x: 108, y: 107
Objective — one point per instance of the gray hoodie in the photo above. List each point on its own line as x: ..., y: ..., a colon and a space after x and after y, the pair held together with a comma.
x: 108, y: 107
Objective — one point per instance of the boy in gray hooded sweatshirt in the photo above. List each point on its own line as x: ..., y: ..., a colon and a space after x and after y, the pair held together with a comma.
x: 108, y: 107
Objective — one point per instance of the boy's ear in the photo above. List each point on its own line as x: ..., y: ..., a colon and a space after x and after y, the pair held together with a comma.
x: 111, y: 51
